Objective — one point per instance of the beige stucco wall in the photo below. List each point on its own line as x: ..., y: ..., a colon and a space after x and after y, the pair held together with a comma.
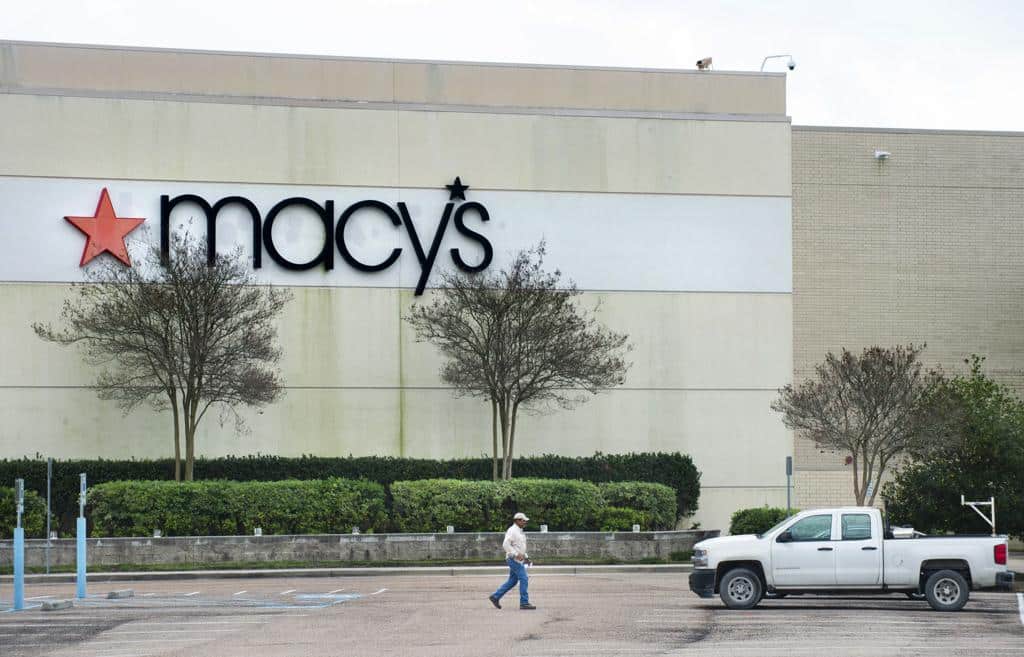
x: 358, y: 383
x: 58, y: 136
x: 706, y: 364
x: 922, y: 247
x: 71, y: 70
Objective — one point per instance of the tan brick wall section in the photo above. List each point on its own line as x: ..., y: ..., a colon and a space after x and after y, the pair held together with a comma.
x: 922, y: 247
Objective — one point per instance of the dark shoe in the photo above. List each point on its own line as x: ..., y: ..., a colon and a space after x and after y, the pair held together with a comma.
x: 494, y: 601
x: 527, y: 606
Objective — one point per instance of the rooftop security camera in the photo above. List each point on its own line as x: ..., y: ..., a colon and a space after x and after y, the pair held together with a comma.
x: 704, y: 64
x: 790, y: 62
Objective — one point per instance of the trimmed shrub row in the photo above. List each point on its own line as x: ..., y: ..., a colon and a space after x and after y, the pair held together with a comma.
x: 331, y: 506
x: 655, y: 502
x: 228, y: 508
x: 757, y: 520
x: 672, y: 469
x: 561, y: 504
x: 33, y: 520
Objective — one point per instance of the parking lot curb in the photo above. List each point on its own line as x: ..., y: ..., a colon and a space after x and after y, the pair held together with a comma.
x: 399, y: 571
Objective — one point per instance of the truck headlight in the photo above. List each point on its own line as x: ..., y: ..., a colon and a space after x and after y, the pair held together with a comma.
x: 700, y: 558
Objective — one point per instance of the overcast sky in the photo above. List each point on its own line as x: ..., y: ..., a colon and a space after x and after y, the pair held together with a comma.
x: 907, y: 64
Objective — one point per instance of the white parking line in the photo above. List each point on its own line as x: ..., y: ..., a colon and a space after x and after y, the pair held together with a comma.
x: 189, y: 623
x: 54, y: 625
x: 380, y: 591
x: 98, y: 642
x: 169, y: 631
x: 105, y: 653
x: 239, y: 593
x: 188, y: 595
x: 287, y: 592
x: 40, y: 597
x: 115, y: 652
x: 335, y: 591
x: 1020, y: 606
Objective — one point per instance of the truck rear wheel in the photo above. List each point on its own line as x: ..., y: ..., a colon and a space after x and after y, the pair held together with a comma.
x: 740, y: 588
x: 946, y: 590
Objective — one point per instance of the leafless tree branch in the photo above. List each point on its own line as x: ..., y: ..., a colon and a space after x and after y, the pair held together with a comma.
x: 518, y: 339
x: 178, y: 335
x: 875, y: 407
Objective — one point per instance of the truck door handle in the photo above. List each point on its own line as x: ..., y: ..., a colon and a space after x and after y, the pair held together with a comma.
x: 824, y: 549
x: 869, y: 548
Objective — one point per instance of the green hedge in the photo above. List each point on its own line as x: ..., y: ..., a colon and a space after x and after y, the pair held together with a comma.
x: 672, y: 469
x: 213, y: 508
x: 757, y: 520
x: 618, y: 519
x: 430, y: 505
x: 655, y: 502
x: 33, y: 520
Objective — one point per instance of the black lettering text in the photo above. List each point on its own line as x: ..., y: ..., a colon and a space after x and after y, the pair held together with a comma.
x: 339, y: 235
x: 460, y: 225
x: 326, y: 214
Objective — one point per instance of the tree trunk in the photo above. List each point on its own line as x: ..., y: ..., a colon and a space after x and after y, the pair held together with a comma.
x: 190, y: 452
x: 494, y: 440
x: 878, y: 481
x: 503, y: 416
x: 190, y: 441
x: 511, y: 440
x: 867, y: 470
x: 858, y: 492
x: 177, y: 436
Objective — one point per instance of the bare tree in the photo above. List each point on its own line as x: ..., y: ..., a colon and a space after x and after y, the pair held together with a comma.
x: 517, y: 339
x: 177, y: 334
x: 874, y: 407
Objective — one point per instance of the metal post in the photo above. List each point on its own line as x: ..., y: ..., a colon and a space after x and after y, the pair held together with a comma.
x: 19, y: 545
x: 80, y: 539
x: 992, y: 505
x: 49, y: 478
x: 789, y: 474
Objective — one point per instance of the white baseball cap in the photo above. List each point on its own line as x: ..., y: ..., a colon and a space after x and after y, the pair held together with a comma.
x: 520, y: 516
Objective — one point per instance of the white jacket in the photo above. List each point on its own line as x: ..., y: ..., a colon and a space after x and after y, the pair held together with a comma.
x: 515, y: 542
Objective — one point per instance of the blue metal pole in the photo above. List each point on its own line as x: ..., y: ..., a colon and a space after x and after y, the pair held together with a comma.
x: 80, y: 558
x: 19, y: 568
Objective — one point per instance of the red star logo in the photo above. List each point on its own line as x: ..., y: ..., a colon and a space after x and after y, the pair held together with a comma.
x: 105, y: 231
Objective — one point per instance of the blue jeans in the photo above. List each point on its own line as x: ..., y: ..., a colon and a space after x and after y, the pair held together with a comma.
x: 516, y: 573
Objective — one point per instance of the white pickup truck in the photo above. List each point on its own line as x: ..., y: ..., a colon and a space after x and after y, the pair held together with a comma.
x: 847, y: 550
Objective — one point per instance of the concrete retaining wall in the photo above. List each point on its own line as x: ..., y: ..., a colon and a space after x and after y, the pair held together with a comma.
x: 355, y: 547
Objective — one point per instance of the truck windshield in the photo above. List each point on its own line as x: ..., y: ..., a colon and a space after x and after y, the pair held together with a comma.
x: 777, y: 525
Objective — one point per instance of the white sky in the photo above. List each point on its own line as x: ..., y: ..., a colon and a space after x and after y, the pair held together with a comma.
x: 914, y: 64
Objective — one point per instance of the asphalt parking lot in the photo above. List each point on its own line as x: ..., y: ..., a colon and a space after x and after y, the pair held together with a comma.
x: 633, y: 614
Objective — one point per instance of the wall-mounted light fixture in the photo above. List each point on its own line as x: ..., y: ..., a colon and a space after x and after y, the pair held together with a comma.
x: 882, y: 155
x: 790, y: 63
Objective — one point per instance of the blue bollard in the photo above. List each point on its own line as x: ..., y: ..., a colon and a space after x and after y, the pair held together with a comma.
x: 19, y: 568
x: 80, y: 558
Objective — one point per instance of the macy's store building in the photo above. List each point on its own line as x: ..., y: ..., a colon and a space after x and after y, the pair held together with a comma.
x: 666, y: 195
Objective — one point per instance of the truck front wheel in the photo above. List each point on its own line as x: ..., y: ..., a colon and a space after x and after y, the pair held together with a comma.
x: 740, y: 588
x: 946, y: 590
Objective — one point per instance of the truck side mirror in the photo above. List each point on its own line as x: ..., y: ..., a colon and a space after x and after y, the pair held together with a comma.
x: 784, y: 537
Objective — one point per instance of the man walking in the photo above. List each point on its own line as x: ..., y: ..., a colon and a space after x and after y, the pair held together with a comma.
x: 517, y: 559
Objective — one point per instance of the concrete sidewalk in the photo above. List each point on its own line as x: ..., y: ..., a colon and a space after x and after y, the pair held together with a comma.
x: 447, y: 571
x: 1015, y: 562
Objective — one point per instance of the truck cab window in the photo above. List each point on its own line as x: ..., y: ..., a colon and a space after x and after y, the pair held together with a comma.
x: 812, y: 528
x: 856, y: 526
